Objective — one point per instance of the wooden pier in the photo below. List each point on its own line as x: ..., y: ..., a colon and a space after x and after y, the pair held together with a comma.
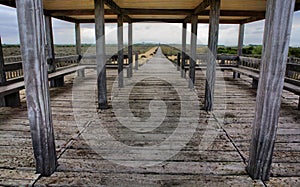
x: 226, y: 131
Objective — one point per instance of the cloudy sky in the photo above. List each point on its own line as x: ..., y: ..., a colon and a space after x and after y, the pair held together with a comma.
x: 143, y: 32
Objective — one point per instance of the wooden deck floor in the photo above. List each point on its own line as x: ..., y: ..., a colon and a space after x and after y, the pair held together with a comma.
x: 115, y: 148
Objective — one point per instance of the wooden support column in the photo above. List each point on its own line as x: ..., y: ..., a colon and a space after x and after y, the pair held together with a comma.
x: 279, y: 16
x: 136, y: 61
x: 2, y: 73
x: 241, y: 39
x: 178, y: 61
x: 80, y: 73
x: 194, y: 22
x: 100, y: 54
x: 183, y: 55
x: 32, y: 39
x: 120, y: 51
x: 78, y: 39
x: 214, y: 16
x: 50, y: 44
x: 130, y: 54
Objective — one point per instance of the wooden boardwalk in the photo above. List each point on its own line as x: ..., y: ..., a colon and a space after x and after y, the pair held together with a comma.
x: 115, y: 148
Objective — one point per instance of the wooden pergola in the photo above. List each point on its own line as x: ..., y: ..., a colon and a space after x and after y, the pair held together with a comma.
x: 35, y: 15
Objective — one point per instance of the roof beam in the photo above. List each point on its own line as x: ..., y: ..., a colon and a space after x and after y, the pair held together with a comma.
x: 134, y: 11
x: 252, y: 19
x: 76, y: 12
x: 112, y: 5
x: 202, y: 6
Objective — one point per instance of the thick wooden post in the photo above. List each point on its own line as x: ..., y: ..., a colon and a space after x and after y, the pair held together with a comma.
x: 241, y: 40
x: 194, y: 23
x: 214, y: 16
x: 2, y: 73
x: 136, y: 61
x: 78, y: 39
x: 183, y: 50
x: 120, y: 51
x: 32, y: 39
x: 178, y: 61
x: 279, y: 16
x: 130, y: 55
x: 100, y: 53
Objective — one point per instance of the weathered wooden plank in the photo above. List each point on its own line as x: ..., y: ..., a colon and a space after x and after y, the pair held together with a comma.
x: 130, y: 52
x: 194, y: 23
x: 136, y: 61
x: 50, y: 44
x: 100, y: 54
x: 32, y: 39
x: 278, y: 24
x: 212, y: 56
x: 183, y: 50
x: 120, y: 52
x: 178, y: 61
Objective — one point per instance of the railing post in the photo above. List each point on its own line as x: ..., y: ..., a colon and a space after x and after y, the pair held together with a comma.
x: 32, y: 40
x: 178, y: 61
x: 136, y: 61
x: 214, y: 16
x: 278, y: 23
x: 100, y: 53
x: 50, y: 44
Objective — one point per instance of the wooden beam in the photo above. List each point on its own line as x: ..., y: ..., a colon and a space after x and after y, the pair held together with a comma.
x: 252, y: 19
x: 32, y: 39
x: 112, y: 5
x: 212, y: 56
x: 202, y: 6
x: 130, y: 52
x: 279, y: 16
x: 241, y: 40
x: 76, y: 12
x: 194, y: 23
x: 136, y: 66
x: 183, y: 49
x: 50, y: 44
x: 78, y: 39
x: 144, y: 11
x: 100, y: 54
x: 120, y: 52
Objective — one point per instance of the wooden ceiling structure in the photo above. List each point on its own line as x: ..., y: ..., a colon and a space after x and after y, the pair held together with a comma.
x: 171, y: 11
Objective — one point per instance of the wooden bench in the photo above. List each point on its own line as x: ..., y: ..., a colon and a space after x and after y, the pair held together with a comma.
x: 10, y: 93
x: 290, y: 85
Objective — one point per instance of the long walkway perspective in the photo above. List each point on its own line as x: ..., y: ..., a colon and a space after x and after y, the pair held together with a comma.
x: 155, y: 133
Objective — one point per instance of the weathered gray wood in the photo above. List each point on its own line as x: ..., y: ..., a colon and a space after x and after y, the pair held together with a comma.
x: 178, y: 61
x: 279, y: 16
x: 120, y: 52
x: 136, y: 61
x: 194, y: 22
x: 130, y: 54
x: 241, y: 39
x: 100, y: 53
x: 2, y: 73
x: 32, y: 39
x: 78, y: 38
x: 50, y: 44
x: 212, y: 56
x: 183, y: 49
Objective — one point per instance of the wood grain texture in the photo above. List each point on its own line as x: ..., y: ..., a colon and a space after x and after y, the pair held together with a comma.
x: 50, y: 44
x: 279, y: 16
x: 183, y: 49
x: 120, y: 52
x: 194, y: 22
x: 32, y: 39
x: 130, y: 52
x: 212, y: 55
x: 241, y: 39
x: 100, y: 53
